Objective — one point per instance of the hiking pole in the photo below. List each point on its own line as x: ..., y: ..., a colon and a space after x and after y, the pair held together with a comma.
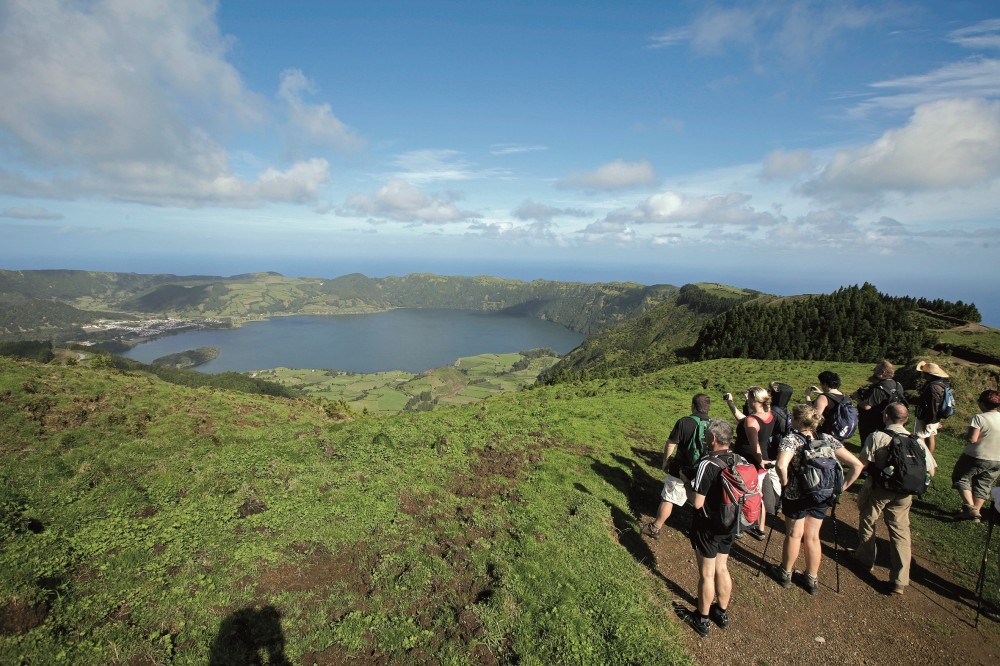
x: 763, y: 556
x: 981, y: 583
x: 836, y: 542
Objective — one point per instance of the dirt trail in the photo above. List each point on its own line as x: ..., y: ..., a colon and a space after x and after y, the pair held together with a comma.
x: 932, y: 623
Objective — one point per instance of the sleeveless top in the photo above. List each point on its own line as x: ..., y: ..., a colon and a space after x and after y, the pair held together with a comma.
x: 742, y: 445
x: 832, y: 400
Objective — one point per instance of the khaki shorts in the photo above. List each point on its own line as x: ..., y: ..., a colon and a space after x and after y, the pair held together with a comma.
x: 677, y: 490
x: 923, y: 430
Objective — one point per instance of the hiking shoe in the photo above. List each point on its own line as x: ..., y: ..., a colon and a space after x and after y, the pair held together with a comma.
x: 968, y: 512
x: 809, y: 583
x: 756, y: 533
x: 718, y: 616
x: 652, y: 531
x: 700, y: 624
x: 783, y: 577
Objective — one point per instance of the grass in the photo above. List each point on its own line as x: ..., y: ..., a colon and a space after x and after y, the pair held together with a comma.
x: 148, y: 523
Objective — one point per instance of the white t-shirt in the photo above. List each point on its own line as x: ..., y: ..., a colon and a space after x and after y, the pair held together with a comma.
x: 988, y: 447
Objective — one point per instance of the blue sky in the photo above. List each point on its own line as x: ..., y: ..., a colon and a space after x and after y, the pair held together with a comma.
x: 789, y: 146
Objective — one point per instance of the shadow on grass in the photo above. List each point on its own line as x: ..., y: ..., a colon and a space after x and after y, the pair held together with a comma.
x: 250, y: 637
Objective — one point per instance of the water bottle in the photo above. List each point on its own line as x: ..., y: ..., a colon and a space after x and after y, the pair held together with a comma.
x: 927, y: 479
x: 887, y: 471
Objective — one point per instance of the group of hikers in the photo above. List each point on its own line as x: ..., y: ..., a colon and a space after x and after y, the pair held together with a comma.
x: 793, y: 461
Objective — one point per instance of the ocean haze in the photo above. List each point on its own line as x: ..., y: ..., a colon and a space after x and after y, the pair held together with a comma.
x: 412, y: 340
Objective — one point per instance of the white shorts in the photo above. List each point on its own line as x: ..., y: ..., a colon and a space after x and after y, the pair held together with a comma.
x: 770, y: 490
x: 676, y: 490
x: 923, y: 430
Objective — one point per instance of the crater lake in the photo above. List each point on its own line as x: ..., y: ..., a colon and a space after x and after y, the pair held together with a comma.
x: 413, y: 340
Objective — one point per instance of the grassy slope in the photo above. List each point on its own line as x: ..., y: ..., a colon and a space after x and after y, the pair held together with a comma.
x: 480, y: 533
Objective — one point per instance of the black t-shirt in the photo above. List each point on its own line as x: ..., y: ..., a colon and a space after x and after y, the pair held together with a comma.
x: 684, y: 430
x: 706, y: 482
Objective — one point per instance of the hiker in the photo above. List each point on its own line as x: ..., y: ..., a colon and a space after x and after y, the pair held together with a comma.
x: 873, y: 398
x: 889, y: 495
x: 804, y: 505
x: 927, y: 419
x: 712, y: 541
x: 752, y: 436
x: 825, y: 398
x: 686, y: 440
x: 978, y: 468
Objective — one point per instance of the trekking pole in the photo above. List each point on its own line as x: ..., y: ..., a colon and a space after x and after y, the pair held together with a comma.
x: 836, y: 542
x: 981, y: 583
x: 763, y: 556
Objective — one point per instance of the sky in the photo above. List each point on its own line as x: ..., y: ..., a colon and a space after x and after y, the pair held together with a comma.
x: 791, y: 146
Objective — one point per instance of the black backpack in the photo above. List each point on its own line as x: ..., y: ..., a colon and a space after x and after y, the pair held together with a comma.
x: 895, y: 392
x: 905, y: 469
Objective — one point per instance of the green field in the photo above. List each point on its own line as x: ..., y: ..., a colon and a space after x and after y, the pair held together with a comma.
x: 149, y: 523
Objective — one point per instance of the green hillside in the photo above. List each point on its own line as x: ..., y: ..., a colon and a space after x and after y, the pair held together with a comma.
x: 142, y: 522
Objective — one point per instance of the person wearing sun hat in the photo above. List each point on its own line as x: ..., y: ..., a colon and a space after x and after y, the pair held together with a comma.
x: 926, y: 421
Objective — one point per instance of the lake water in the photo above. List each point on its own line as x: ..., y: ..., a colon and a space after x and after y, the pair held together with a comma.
x: 413, y: 340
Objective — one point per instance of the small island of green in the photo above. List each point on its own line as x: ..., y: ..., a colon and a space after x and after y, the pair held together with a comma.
x: 188, y: 359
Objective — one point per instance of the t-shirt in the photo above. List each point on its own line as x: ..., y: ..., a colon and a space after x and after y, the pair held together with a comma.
x: 706, y: 482
x: 684, y: 429
x: 988, y: 447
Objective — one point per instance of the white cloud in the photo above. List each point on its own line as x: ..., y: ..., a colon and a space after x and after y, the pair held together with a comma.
x: 790, y: 32
x: 947, y: 144
x: 430, y: 165
x: 975, y: 77
x: 604, y: 231
x: 615, y: 175
x: 130, y: 101
x: 786, y: 164
x: 529, y: 210
x: 515, y: 149
x: 983, y: 35
x: 316, y: 123
x: 403, y: 202
x: 30, y: 213
x: 726, y: 210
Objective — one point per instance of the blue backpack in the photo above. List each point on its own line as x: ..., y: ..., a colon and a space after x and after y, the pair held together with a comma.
x: 845, y: 419
x: 819, y: 476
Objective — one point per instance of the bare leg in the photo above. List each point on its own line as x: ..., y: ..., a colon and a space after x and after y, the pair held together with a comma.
x: 793, y: 540
x: 723, y: 581
x: 813, y: 547
x: 662, y: 514
x: 706, y: 584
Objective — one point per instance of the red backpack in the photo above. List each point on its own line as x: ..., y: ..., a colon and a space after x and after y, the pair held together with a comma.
x: 741, y: 496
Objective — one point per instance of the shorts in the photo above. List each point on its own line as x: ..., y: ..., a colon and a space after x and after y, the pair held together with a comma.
x: 770, y: 489
x: 923, y: 430
x: 975, y: 474
x: 708, y: 544
x: 677, y: 490
x: 797, y: 509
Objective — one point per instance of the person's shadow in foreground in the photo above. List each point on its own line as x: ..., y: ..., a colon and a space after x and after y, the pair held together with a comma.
x: 250, y: 637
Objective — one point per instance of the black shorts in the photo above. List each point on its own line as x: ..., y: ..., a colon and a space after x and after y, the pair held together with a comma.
x: 708, y: 544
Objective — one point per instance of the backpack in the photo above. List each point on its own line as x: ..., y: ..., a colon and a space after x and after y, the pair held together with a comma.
x: 905, y: 469
x: 947, y: 407
x: 782, y: 426
x: 895, y: 393
x: 844, y: 419
x: 819, y: 475
x: 741, y: 496
x: 695, y: 446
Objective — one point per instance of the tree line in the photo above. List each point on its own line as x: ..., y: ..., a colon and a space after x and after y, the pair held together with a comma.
x: 853, y: 324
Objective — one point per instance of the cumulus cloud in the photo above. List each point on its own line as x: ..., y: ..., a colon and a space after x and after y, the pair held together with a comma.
x: 529, y: 210
x: 726, y: 210
x: 314, y: 123
x: 947, y: 144
x: 400, y: 201
x: 786, y: 165
x: 792, y: 31
x: 129, y: 101
x: 603, y: 231
x: 30, y: 213
x: 615, y: 175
